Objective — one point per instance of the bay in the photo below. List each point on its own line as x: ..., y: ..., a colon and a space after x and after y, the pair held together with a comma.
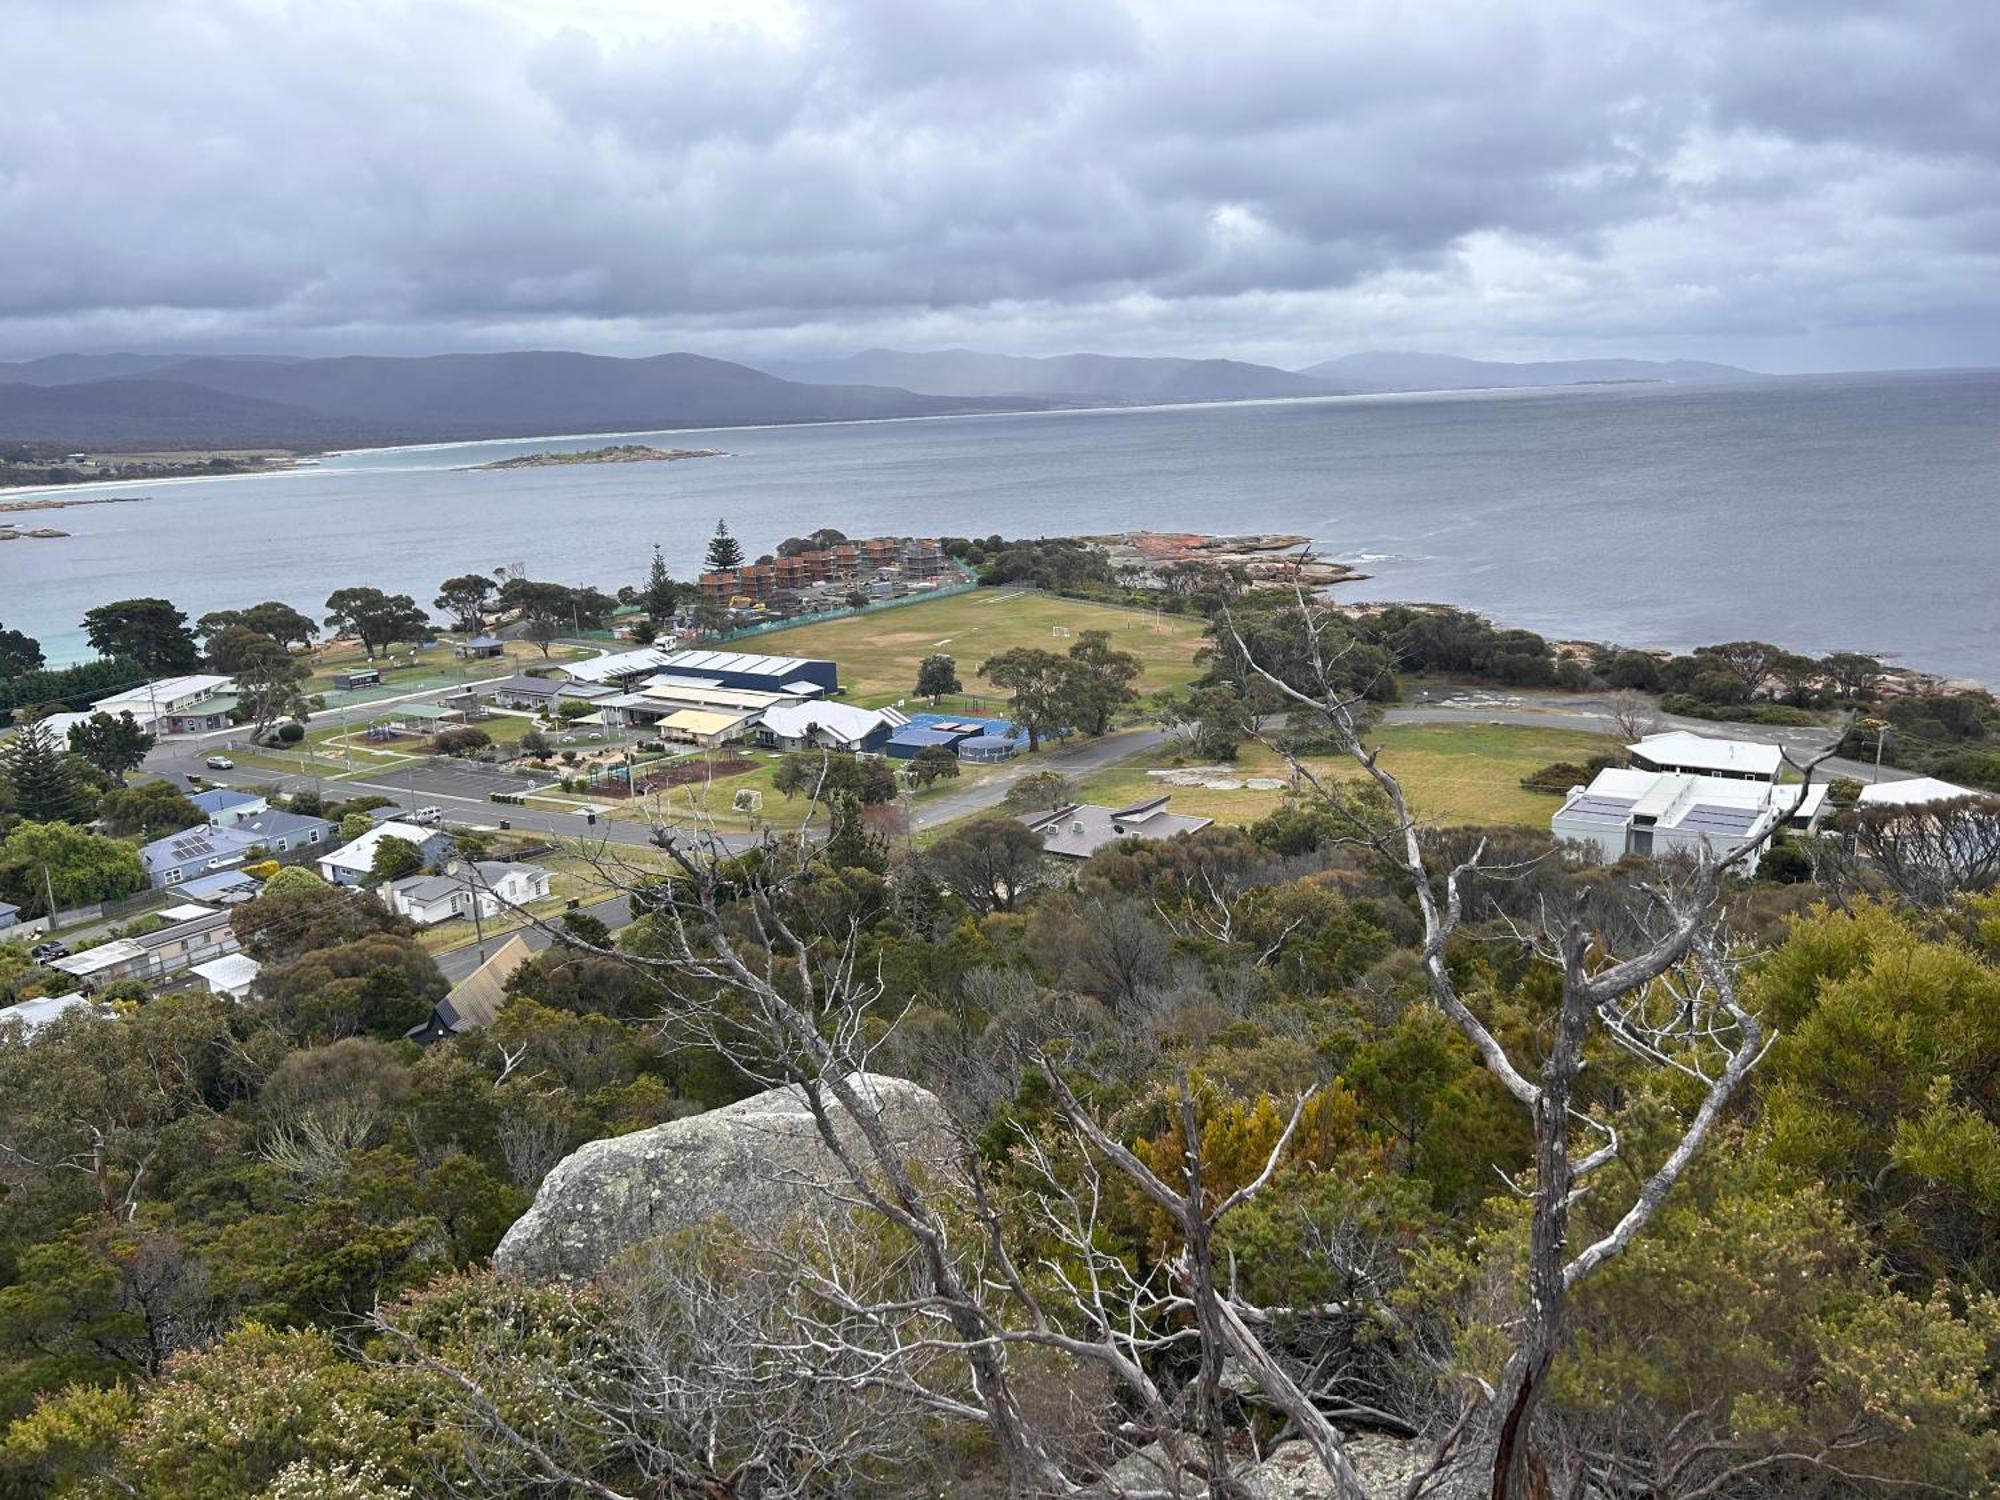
x: 1838, y: 512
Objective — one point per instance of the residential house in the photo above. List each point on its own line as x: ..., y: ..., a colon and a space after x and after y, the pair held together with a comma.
x: 289, y: 837
x: 196, y: 936
x: 10, y: 915
x: 193, y: 853
x: 1081, y: 829
x: 476, y: 999
x: 225, y: 807
x: 485, y: 887
x: 1706, y: 755
x: 482, y: 648
x: 351, y: 863
x: 828, y: 726
x: 192, y: 704
x: 1657, y: 813
x: 233, y: 974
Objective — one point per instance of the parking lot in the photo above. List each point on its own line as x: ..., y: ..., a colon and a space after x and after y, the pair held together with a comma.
x: 446, y: 778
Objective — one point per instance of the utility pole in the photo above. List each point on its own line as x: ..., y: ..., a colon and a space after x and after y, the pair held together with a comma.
x: 49, y: 890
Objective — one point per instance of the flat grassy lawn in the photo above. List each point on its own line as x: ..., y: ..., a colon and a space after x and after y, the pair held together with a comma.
x: 1453, y: 773
x: 407, y: 670
x: 878, y: 651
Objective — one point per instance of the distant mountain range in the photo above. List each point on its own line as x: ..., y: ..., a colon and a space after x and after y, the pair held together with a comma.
x: 139, y: 401
x: 1063, y: 377
x: 1102, y: 377
x: 135, y: 402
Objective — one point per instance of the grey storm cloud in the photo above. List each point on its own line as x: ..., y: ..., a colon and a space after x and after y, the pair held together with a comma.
x: 1794, y: 181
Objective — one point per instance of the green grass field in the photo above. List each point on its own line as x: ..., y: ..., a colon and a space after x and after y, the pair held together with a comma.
x: 1453, y: 773
x: 878, y: 651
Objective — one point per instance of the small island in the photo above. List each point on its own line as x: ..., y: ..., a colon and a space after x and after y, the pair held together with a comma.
x: 617, y: 453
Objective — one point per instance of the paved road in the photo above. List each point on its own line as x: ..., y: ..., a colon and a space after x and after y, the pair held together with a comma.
x: 1071, y: 760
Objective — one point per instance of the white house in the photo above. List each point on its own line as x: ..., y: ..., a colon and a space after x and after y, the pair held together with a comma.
x: 350, y: 864
x: 488, y: 887
x: 1659, y: 813
x: 1706, y: 755
x: 828, y: 726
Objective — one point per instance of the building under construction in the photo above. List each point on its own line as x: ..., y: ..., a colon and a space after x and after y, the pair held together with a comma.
x: 883, y: 565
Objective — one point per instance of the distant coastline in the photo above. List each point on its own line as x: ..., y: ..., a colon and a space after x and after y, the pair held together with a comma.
x: 616, y: 453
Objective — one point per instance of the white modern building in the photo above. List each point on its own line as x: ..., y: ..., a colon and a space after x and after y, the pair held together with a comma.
x: 1706, y: 755
x: 1658, y: 813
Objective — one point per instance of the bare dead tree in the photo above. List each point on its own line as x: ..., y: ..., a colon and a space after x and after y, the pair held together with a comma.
x: 1700, y: 1029
x: 1928, y: 854
x: 1632, y: 714
x: 1224, y: 1333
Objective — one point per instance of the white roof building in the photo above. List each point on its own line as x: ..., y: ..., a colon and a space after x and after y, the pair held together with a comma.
x: 33, y: 1015
x: 1914, y: 791
x: 230, y: 975
x: 617, y: 666
x: 1659, y: 813
x: 1707, y: 755
x: 351, y: 863
x: 832, y: 725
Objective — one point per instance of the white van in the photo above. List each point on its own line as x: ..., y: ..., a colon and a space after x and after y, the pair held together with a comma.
x: 428, y: 817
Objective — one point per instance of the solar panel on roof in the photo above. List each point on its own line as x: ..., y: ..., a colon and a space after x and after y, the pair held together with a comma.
x: 1709, y: 818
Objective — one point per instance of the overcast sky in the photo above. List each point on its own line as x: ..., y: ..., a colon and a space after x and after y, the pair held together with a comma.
x: 1791, y: 184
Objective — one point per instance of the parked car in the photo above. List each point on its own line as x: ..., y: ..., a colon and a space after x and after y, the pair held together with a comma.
x: 428, y: 817
x: 41, y: 953
x: 220, y: 763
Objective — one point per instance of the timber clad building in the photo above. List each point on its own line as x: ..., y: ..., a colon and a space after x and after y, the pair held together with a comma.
x: 916, y: 560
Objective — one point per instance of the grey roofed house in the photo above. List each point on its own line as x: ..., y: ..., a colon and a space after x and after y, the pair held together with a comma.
x: 9, y: 914
x: 522, y: 686
x: 288, y: 832
x: 225, y: 806
x: 195, y: 852
x: 1081, y: 829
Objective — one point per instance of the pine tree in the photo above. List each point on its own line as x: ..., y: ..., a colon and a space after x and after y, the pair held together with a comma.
x: 661, y: 593
x: 44, y: 779
x: 723, y: 551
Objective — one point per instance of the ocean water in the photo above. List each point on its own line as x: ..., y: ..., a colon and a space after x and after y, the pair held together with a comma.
x: 1849, y: 512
